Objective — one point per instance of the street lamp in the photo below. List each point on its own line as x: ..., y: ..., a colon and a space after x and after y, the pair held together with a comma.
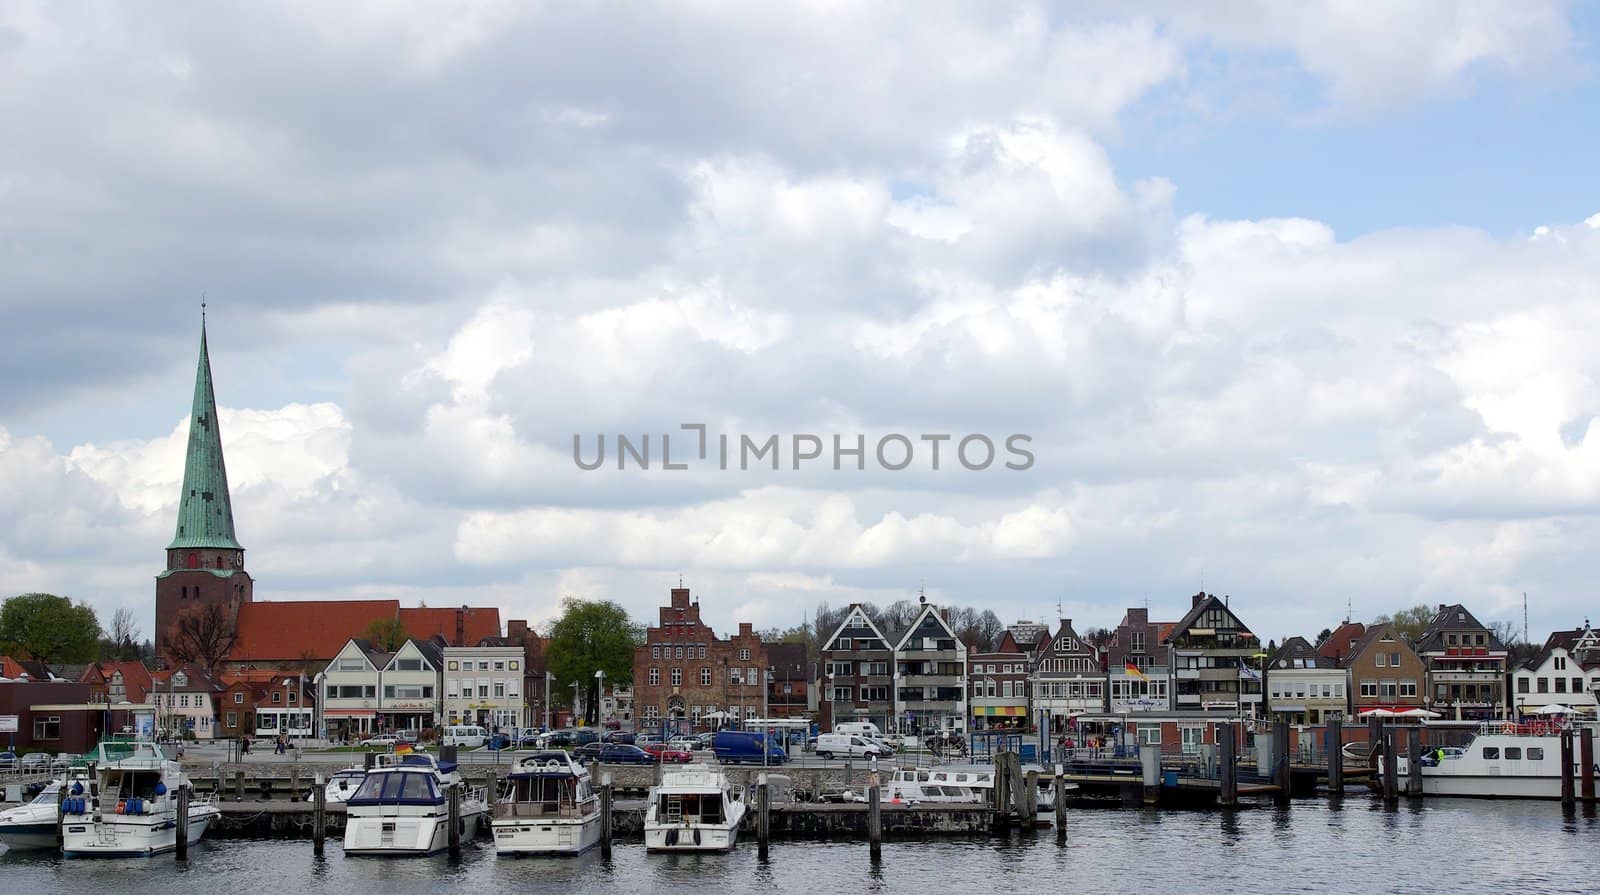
x: 548, y: 680
x: 599, y: 693
x: 575, y: 704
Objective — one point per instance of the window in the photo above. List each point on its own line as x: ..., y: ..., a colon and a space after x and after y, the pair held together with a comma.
x: 47, y: 727
x: 1522, y: 685
x: 483, y: 665
x: 1561, y: 685
x: 1408, y: 688
x: 677, y: 677
x: 655, y: 652
x: 702, y: 651
x: 1536, y: 753
x: 1577, y: 685
x: 1561, y: 663
x: 843, y: 694
x: 1394, y: 660
x: 1150, y: 734
x: 1383, y: 660
x: 408, y: 664
x: 1136, y: 642
x: 1193, y: 735
x: 1543, y: 685
x: 333, y: 693
x: 238, y: 699
x: 1513, y: 753
x: 352, y: 664
x: 744, y: 655
x: 233, y: 719
x: 733, y: 675
x: 875, y: 694
x: 677, y: 653
x: 499, y: 689
x: 842, y: 643
x: 276, y: 697
x: 1369, y: 689
x: 655, y: 677
x: 1491, y: 753
x: 705, y: 677
x: 499, y: 666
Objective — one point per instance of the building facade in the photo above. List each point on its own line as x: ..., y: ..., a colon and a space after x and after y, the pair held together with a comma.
x: 1304, y: 685
x: 1384, y: 672
x: 1137, y: 676
x: 1466, y: 666
x: 186, y: 702
x: 686, y: 676
x: 1213, y: 659
x: 788, y: 695
x: 349, y: 686
x: 856, y: 673
x: 999, y: 686
x: 483, y: 685
x: 1069, y: 679
x: 930, y: 674
x: 1566, y: 671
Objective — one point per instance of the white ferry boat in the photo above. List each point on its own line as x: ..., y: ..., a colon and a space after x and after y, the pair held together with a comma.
x: 949, y: 784
x: 403, y: 809
x: 694, y: 808
x: 128, y: 807
x: 1502, y: 760
x: 549, y: 808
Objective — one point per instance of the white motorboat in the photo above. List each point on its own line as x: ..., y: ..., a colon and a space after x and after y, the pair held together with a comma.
x: 128, y: 804
x: 1502, y: 760
x: 342, y: 785
x: 403, y: 809
x: 549, y: 807
x: 694, y: 808
x: 33, y: 824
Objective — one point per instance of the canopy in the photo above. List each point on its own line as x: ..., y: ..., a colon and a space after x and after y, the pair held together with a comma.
x: 1554, y: 709
x: 715, y: 716
x: 1417, y: 713
x: 1376, y: 713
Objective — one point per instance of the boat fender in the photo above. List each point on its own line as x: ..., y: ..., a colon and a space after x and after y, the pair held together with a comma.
x: 461, y: 826
x: 672, y: 837
x: 697, y: 836
x: 77, y: 788
x: 122, y: 806
x: 161, y: 789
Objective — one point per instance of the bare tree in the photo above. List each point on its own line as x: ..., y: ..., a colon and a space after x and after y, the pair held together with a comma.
x: 201, y: 634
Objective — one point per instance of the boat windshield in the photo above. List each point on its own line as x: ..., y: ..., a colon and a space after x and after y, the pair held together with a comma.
x: 49, y: 795
x: 398, y: 787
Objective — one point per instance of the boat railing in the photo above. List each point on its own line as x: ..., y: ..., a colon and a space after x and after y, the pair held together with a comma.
x: 554, y: 808
x: 1550, y: 728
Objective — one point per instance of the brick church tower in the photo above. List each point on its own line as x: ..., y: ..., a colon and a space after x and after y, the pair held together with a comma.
x: 205, y: 564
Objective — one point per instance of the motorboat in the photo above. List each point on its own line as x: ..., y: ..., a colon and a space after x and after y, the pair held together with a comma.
x: 342, y: 785
x: 127, y: 805
x: 548, y: 807
x: 403, y: 809
x: 1502, y: 760
x: 693, y: 808
x: 951, y: 784
x: 33, y: 823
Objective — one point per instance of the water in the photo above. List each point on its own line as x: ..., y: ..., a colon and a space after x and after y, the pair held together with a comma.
x: 1445, y: 846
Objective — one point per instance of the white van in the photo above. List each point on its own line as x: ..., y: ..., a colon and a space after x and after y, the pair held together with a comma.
x: 859, y: 728
x: 848, y: 745
x: 465, y: 736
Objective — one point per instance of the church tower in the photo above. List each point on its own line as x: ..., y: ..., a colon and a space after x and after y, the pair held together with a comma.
x: 205, y: 564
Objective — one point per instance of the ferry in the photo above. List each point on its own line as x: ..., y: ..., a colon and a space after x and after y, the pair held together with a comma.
x: 693, y: 808
x: 1502, y: 760
x: 128, y: 806
x: 950, y: 784
x: 403, y: 809
x: 549, y: 808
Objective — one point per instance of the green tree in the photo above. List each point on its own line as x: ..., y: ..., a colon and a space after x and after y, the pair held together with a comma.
x: 49, y: 628
x: 387, y: 634
x: 1409, y: 622
x: 590, y: 636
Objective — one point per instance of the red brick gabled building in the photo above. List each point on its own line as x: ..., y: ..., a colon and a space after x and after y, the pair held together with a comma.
x: 686, y: 675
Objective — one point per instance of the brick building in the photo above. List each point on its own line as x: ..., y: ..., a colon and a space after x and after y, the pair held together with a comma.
x: 999, y: 686
x: 686, y: 675
x: 787, y: 693
x: 856, y: 673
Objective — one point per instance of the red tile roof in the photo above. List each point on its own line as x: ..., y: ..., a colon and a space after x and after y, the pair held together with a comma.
x: 313, y: 629
x: 135, y: 678
x: 424, y: 623
x: 1338, y: 646
x: 9, y: 668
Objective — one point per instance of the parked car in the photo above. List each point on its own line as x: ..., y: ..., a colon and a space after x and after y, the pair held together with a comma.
x: 732, y: 746
x: 382, y: 739
x: 586, y: 735
x: 34, y: 762
x: 64, y: 761
x: 684, y: 744
x: 624, y: 753
x: 668, y: 754
x: 406, y: 736
x: 705, y: 740
x: 642, y: 739
x: 617, y: 736
x: 589, y: 751
x: 8, y: 761
x: 499, y: 741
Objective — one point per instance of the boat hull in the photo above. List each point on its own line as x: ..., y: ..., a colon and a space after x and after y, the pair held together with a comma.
x: 680, y: 838
x: 20, y: 836
x: 406, y: 836
x: 132, y: 838
x: 559, y: 838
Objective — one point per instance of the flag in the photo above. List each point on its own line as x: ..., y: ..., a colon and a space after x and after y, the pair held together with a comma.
x: 1247, y: 672
x: 1134, y: 670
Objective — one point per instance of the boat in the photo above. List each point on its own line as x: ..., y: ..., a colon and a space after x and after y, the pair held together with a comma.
x: 549, y: 807
x: 342, y: 785
x: 403, y: 809
x: 33, y: 823
x: 951, y: 784
x: 127, y: 805
x: 693, y: 808
x: 1503, y: 760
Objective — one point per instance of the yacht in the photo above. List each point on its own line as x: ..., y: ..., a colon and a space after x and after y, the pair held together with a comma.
x: 402, y: 809
x: 1502, y: 760
x: 342, y: 785
x: 128, y: 804
x: 693, y: 808
x: 549, y: 808
x: 33, y: 824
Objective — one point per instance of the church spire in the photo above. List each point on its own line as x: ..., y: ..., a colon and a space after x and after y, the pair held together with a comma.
x: 205, y: 511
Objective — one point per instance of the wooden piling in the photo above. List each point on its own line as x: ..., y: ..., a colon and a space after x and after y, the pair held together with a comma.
x: 605, y: 814
x: 1568, y: 794
x: 1061, y: 805
x: 1280, y: 758
x: 1586, y: 757
x: 1391, y: 766
x: 454, y: 819
x: 294, y: 783
x: 1227, y: 769
x: 238, y: 785
x: 1030, y: 789
x: 1334, y: 745
x: 874, y: 820
x: 182, y: 832
x: 763, y: 816
x: 1414, y: 762
x: 61, y: 815
x: 319, y: 815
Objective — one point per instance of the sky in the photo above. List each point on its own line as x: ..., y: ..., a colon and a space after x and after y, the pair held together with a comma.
x: 1292, y: 302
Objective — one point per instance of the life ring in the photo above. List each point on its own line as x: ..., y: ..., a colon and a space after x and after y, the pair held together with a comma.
x: 553, y: 763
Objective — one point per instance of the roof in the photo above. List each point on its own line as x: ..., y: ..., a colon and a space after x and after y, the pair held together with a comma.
x: 1340, y: 645
x: 205, y: 510
x: 889, y: 641
x: 791, y: 656
x: 1452, y: 617
x: 15, y: 668
x: 1202, y: 602
x: 313, y: 629
x: 136, y: 679
x: 1374, y: 635
x: 196, y: 676
x: 476, y: 624
x: 1562, y: 640
x: 928, y: 611
x: 1295, y: 650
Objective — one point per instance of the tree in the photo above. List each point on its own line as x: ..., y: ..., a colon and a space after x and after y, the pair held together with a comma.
x: 201, y: 634
x: 121, y: 643
x: 387, y: 634
x: 1099, y: 638
x: 1323, y: 635
x: 49, y: 628
x: 1518, y: 650
x: 1410, y: 623
x: 590, y: 636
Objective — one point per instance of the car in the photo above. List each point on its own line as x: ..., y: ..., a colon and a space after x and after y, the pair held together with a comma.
x: 684, y: 744
x: 847, y: 745
x: 705, y: 740
x: 34, y: 762
x: 646, y: 738
x: 64, y: 761
x: 617, y: 736
x: 8, y: 761
x: 560, y: 739
x: 623, y: 753
x: 382, y: 739
x: 498, y: 741
x: 668, y: 754
x: 733, y: 746
x: 406, y: 736
x: 589, y: 751
x: 532, y: 740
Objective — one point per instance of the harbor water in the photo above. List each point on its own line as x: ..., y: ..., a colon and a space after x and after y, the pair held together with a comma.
x: 1446, y: 846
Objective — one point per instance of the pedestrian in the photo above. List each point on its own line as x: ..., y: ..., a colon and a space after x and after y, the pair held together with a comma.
x: 244, y: 745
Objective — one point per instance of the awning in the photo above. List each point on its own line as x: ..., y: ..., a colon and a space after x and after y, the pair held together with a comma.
x: 348, y: 713
x: 992, y: 710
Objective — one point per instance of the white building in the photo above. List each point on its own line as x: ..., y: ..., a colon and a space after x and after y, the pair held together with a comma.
x: 186, y: 700
x: 483, y: 686
x: 410, y: 687
x: 349, y: 688
x: 1566, y: 672
x: 366, y: 690
x: 930, y: 665
x: 1304, y: 684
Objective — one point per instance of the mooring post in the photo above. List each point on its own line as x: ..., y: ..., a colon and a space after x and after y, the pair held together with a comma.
x: 1061, y: 805
x: 1031, y: 787
x: 61, y: 815
x: 763, y: 816
x: 369, y: 760
x: 454, y: 818
x: 605, y: 814
x: 319, y: 814
x: 874, y: 819
x: 182, y: 850
x: 294, y: 783
x: 1391, y: 766
x: 238, y: 785
x: 1227, y: 769
x: 1280, y: 760
x: 1150, y: 768
x: 1586, y: 755
x: 1414, y: 762
x: 1568, y: 795
x: 1334, y: 745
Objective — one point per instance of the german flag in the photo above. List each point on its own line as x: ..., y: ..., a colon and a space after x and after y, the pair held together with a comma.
x: 1134, y: 670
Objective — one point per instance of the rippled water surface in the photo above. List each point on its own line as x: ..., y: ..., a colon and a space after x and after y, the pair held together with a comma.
x: 1455, y: 846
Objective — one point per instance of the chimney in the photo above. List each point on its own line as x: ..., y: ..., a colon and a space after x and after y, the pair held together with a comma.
x: 680, y: 598
x: 1195, y: 600
x: 517, y: 629
x: 1443, y: 607
x: 1066, y: 624
x: 746, y: 629
x: 461, y: 626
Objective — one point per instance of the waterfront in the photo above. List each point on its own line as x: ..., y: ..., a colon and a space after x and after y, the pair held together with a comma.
x: 1357, y: 846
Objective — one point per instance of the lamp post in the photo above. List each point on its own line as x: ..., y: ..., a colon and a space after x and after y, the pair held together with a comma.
x: 599, y: 694
x: 548, y: 680
x: 283, y: 719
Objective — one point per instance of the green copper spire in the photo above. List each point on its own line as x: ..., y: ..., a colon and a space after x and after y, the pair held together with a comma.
x: 205, y: 512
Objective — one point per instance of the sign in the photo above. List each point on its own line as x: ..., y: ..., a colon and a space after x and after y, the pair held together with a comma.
x: 8, y: 723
